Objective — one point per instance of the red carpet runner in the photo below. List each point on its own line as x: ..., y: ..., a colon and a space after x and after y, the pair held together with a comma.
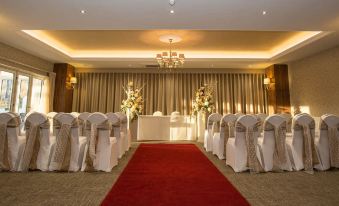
x: 172, y: 174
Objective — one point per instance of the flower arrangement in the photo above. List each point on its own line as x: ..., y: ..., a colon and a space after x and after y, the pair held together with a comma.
x: 203, y: 100
x: 134, y: 104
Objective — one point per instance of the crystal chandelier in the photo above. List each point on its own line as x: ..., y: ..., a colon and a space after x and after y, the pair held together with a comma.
x: 170, y: 59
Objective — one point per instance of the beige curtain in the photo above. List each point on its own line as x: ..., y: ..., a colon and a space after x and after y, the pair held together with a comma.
x: 168, y: 92
x: 48, y: 93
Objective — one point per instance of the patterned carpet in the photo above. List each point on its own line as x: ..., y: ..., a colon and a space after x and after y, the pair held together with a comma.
x: 289, y: 188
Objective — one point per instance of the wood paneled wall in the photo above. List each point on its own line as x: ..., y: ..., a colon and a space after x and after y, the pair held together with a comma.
x: 63, y: 93
x: 278, y: 92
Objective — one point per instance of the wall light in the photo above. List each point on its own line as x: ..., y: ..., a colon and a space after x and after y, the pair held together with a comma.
x: 269, y: 83
x: 70, y: 84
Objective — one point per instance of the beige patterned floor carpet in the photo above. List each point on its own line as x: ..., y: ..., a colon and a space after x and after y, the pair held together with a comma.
x: 289, y: 188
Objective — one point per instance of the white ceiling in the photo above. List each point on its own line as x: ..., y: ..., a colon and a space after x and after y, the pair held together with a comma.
x: 246, y: 15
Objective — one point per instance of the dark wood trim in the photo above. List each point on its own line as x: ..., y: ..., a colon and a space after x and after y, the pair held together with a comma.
x: 279, y: 92
x: 63, y: 93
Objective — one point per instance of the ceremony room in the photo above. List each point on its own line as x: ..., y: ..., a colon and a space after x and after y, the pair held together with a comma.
x: 169, y: 102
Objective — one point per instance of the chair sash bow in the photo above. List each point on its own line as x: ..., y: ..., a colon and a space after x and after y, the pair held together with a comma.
x: 279, y: 155
x: 61, y: 158
x: 5, y: 161
x: 32, y: 146
x: 93, y: 141
x: 333, y: 140
x: 310, y: 157
x: 225, y: 130
x: 252, y: 160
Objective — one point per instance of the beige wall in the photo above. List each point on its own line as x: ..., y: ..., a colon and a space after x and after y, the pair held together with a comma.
x: 314, y: 83
x: 12, y: 57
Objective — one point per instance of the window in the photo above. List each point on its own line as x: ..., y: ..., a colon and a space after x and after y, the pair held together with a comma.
x: 22, y: 95
x: 26, y: 90
x: 36, y: 100
x: 6, y: 90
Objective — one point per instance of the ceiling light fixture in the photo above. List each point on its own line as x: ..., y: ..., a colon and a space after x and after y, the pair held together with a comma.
x: 170, y: 60
x: 172, y: 11
x: 171, y: 2
x: 264, y: 13
x: 83, y: 11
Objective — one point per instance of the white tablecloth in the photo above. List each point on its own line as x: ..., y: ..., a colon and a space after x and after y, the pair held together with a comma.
x: 161, y: 128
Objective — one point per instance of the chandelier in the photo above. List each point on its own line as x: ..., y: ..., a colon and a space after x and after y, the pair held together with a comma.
x: 170, y: 59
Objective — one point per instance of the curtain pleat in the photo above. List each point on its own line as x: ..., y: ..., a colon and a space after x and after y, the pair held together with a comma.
x: 168, y: 92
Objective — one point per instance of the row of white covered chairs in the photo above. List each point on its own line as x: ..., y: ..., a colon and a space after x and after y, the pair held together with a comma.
x: 265, y: 144
x: 63, y: 141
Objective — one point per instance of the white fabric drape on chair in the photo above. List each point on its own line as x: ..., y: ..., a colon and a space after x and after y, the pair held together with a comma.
x: 168, y: 92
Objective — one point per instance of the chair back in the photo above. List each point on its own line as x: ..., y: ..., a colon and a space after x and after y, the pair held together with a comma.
x: 12, y: 122
x: 298, y: 121
x: 114, y: 119
x: 157, y: 113
x: 36, y: 118
x: 228, y: 120
x: 82, y: 118
x: 123, y: 121
x: 243, y: 122
x: 327, y: 121
x: 272, y: 122
x: 175, y: 113
x: 68, y: 118
x: 288, y: 119
x: 213, y: 123
x: 239, y: 114
x: 101, y: 120
x: 76, y: 114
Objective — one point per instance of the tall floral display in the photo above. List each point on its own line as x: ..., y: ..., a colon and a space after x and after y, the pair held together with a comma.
x: 134, y: 104
x: 202, y: 104
x: 203, y: 100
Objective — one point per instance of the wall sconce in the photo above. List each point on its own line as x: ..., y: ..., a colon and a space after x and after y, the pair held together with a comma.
x: 268, y: 82
x: 71, y: 83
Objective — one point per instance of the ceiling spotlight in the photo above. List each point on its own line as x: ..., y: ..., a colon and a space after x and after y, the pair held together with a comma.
x: 172, y: 11
x: 83, y: 11
x: 264, y: 13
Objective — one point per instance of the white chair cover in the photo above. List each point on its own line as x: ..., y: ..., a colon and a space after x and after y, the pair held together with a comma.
x: 126, y: 135
x: 328, y: 142
x: 262, y: 117
x: 50, y: 117
x: 75, y: 114
x: 242, y: 152
x: 213, y: 124
x: 238, y: 115
x: 37, y: 151
x: 273, y: 144
x: 301, y: 145
x: 11, y: 144
x: 220, y: 138
x: 68, y: 151
x: 116, y: 132
x: 288, y: 119
x: 157, y: 113
x: 82, y: 121
x: 101, y: 153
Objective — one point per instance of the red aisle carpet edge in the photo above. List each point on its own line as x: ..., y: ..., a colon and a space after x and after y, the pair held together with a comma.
x: 172, y: 174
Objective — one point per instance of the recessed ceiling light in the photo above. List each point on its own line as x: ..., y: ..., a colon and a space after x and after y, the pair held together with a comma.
x: 172, y: 11
x: 264, y: 12
x: 83, y: 11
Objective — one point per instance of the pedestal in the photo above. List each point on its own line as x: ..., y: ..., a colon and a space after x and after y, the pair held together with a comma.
x: 200, y: 126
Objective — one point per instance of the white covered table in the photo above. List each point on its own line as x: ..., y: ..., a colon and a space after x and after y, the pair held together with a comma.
x: 160, y: 128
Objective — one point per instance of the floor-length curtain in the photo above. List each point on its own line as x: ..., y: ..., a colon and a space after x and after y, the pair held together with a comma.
x: 168, y: 92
